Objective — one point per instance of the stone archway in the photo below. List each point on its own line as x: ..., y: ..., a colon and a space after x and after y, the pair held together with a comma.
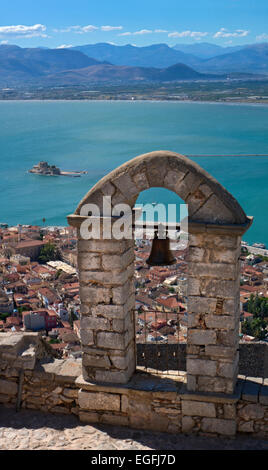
x: 106, y: 270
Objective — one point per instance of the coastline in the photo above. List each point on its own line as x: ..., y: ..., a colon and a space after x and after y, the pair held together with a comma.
x: 62, y: 100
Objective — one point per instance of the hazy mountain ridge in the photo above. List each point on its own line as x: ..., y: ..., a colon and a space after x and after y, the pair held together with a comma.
x: 206, y: 50
x: 19, y: 66
x: 26, y: 63
x: 246, y: 59
x: 123, y: 74
x: 156, y: 55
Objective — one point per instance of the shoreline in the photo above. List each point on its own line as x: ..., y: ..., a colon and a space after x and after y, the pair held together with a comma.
x: 232, y: 103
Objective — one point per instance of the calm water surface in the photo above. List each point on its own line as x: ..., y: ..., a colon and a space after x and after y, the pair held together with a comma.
x: 99, y: 136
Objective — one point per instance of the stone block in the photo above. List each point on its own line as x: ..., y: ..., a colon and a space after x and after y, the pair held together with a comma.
x: 120, y: 294
x: 109, y: 311
x: 88, y: 261
x: 110, y: 340
x: 201, y: 367
x: 112, y: 262
x: 94, y: 323
x: 218, y: 288
x: 114, y: 419
x: 98, y: 401
x: 141, y: 181
x: 114, y: 376
x: 123, y: 362
x: 228, y: 369
x: 198, y: 198
x: 7, y: 387
x: 95, y: 295
x: 124, y: 404
x: 88, y: 417
x: 214, y: 211
x: 214, y: 384
x: 172, y: 179
x: 104, y: 278
x: 246, y: 426
x: 198, y: 304
x: 187, y: 186
x: 87, y: 337
x: 187, y: 424
x: 70, y: 392
x: 96, y: 361
x: 252, y: 411
x: 220, y: 351
x: 202, y: 337
x: 196, y: 254
x: 215, y: 270
x: 224, y: 427
x: 198, y: 408
x: 104, y: 246
x: 125, y: 184
x: 229, y: 411
x: 191, y: 383
x: 220, y: 322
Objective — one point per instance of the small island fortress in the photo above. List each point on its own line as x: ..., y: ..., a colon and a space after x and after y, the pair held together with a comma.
x: 43, y: 168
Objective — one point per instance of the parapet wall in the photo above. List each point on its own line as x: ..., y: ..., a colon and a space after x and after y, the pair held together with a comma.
x: 31, y: 378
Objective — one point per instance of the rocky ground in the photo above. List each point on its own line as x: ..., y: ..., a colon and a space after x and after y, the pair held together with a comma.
x: 31, y: 430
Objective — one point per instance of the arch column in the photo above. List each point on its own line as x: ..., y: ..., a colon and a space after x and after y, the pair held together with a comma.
x: 213, y: 306
x: 107, y: 297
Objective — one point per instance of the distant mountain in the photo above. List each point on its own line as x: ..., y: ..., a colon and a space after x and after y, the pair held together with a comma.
x: 72, y: 67
x: 156, y: 55
x: 203, y: 57
x: 206, y: 50
x: 18, y: 64
x: 250, y: 59
x: 124, y: 74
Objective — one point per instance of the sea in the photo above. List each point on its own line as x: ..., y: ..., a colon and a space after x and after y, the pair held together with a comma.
x: 98, y: 136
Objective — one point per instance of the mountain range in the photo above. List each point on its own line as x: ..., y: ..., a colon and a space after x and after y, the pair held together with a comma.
x: 246, y: 59
x: 109, y: 63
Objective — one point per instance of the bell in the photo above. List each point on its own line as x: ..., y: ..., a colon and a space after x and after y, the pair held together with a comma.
x: 160, y: 253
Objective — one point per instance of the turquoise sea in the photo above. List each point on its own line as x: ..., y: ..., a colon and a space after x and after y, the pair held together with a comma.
x: 97, y: 136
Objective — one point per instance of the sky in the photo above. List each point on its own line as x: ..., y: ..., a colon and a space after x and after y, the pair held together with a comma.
x: 65, y: 23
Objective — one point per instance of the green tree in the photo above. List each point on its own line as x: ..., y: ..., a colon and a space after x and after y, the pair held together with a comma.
x: 49, y: 252
x: 72, y: 317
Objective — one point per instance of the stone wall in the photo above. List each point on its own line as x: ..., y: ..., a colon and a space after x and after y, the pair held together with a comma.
x: 31, y: 378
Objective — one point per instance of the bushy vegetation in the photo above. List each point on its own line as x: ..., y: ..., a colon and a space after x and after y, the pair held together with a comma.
x: 49, y: 252
x: 257, y: 327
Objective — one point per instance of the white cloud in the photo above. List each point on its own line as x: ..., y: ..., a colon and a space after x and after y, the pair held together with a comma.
x: 90, y: 28
x: 3, y: 42
x: 262, y: 37
x: 224, y: 33
x: 111, y: 28
x: 77, y: 29
x: 23, y: 31
x: 143, y: 31
x: 187, y: 34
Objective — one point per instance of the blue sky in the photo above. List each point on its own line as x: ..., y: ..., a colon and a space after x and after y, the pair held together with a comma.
x: 58, y: 23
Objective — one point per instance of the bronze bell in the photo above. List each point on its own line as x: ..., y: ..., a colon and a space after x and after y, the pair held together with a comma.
x: 160, y: 253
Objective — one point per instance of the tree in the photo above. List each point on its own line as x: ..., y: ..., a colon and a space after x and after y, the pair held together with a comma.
x: 72, y: 317
x: 49, y: 252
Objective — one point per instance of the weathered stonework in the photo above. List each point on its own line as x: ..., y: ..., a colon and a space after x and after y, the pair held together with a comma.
x: 106, y: 274
x: 147, y: 401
